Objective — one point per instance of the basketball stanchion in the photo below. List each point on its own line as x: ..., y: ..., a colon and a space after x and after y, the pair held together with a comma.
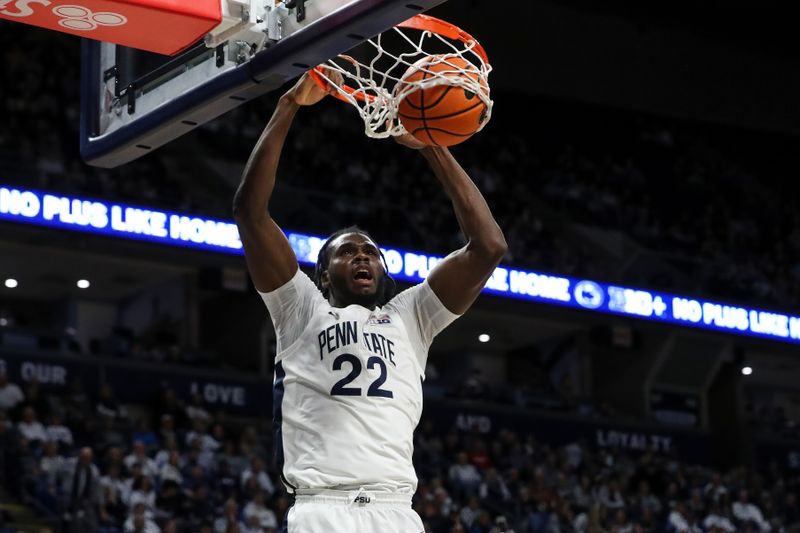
x: 425, y: 77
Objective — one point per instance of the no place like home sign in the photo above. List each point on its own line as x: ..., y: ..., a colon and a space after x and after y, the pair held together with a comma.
x: 183, y: 230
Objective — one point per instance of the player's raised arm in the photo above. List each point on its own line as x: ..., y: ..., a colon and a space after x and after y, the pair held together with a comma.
x: 269, y: 256
x: 459, y: 278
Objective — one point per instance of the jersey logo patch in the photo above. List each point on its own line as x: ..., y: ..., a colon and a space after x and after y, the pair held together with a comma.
x: 380, y: 320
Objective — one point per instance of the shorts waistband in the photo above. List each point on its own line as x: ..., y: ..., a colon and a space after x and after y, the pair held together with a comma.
x: 360, y: 497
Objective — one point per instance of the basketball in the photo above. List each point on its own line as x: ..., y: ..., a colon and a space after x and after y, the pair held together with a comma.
x: 443, y: 115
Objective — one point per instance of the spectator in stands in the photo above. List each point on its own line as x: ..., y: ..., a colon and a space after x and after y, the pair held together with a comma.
x: 229, y: 521
x: 139, y: 521
x: 114, y: 457
x: 115, y: 496
x: 464, y: 475
x: 197, y: 508
x: 51, y: 463
x: 227, y: 482
x: 582, y: 493
x: 469, y: 513
x: 748, y: 513
x: 250, y: 444
x: 162, y: 456
x: 718, y: 520
x: 139, y: 455
x: 107, y: 405
x: 10, y: 393
x: 621, y: 523
x: 256, y: 472
x: 34, y: 398
x: 501, y: 525
x: 493, y: 488
x: 196, y: 408
x: 31, y: 428
x: 142, y: 493
x: 76, y: 406
x: 610, y: 496
x: 59, y: 433
x: 646, y: 499
x: 81, y: 485
x: 194, y: 477
x: 166, y: 429
x: 791, y: 511
x: 171, y: 471
x: 108, y: 434
x: 217, y: 439
x: 256, y: 508
x: 678, y: 520
x: 200, y: 431
x: 197, y: 454
x: 237, y: 461
x: 170, y: 500
x: 169, y: 404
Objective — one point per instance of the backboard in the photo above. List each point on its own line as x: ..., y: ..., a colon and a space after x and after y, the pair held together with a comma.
x: 133, y: 102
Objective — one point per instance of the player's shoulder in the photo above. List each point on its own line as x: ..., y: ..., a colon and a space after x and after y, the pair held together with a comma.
x: 299, y: 285
x: 408, y: 299
x: 402, y: 298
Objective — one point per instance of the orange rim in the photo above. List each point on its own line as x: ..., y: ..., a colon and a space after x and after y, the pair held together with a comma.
x: 417, y: 22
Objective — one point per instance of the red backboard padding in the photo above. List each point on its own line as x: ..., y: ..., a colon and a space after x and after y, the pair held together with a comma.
x: 162, y: 26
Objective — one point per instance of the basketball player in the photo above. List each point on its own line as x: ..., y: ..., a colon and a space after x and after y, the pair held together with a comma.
x: 350, y: 354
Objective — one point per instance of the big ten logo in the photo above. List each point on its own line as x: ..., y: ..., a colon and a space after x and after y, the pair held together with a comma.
x: 215, y: 393
x: 469, y: 422
x: 43, y: 373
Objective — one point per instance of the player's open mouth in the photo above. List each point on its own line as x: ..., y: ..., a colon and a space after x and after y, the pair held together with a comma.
x: 363, y: 276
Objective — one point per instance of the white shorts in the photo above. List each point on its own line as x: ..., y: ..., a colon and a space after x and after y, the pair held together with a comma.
x: 357, y: 511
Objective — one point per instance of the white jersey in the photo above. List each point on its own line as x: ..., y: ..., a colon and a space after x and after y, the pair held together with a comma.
x: 348, y: 386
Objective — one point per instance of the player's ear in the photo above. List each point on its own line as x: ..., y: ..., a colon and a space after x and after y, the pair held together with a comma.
x: 324, y: 280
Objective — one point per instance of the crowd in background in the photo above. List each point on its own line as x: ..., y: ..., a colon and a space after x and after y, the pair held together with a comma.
x: 173, y: 465
x: 691, y: 196
x: 723, y: 223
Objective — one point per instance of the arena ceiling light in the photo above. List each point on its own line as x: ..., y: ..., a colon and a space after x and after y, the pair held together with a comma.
x: 83, y: 284
x: 484, y: 337
x: 747, y: 370
x: 11, y: 283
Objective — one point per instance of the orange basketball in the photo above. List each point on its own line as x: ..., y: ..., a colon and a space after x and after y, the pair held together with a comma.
x: 443, y: 115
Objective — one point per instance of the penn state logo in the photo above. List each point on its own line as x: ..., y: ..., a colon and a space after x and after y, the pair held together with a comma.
x: 380, y: 320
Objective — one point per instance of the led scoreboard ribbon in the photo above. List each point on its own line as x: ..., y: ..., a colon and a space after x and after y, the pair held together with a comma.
x: 176, y: 229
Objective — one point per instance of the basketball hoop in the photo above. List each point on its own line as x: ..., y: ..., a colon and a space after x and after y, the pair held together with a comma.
x: 372, y: 74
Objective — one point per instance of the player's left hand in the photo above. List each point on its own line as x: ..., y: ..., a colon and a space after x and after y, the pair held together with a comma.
x: 410, y: 141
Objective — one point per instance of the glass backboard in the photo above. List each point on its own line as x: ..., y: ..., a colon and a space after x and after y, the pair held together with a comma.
x: 133, y: 101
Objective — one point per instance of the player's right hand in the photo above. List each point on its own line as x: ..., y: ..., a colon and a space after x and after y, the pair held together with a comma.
x: 307, y: 92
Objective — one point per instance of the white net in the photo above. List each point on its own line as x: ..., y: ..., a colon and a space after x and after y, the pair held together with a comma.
x: 373, y: 76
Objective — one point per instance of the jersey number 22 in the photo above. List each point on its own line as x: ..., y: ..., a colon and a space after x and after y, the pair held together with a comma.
x: 339, y: 388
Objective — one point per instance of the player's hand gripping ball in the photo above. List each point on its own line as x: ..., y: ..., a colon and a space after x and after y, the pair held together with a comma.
x: 445, y: 114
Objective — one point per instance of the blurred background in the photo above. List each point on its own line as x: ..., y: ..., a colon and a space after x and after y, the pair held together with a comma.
x: 655, y: 148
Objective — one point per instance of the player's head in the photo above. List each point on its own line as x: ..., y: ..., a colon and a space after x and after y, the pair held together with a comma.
x: 351, y: 270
